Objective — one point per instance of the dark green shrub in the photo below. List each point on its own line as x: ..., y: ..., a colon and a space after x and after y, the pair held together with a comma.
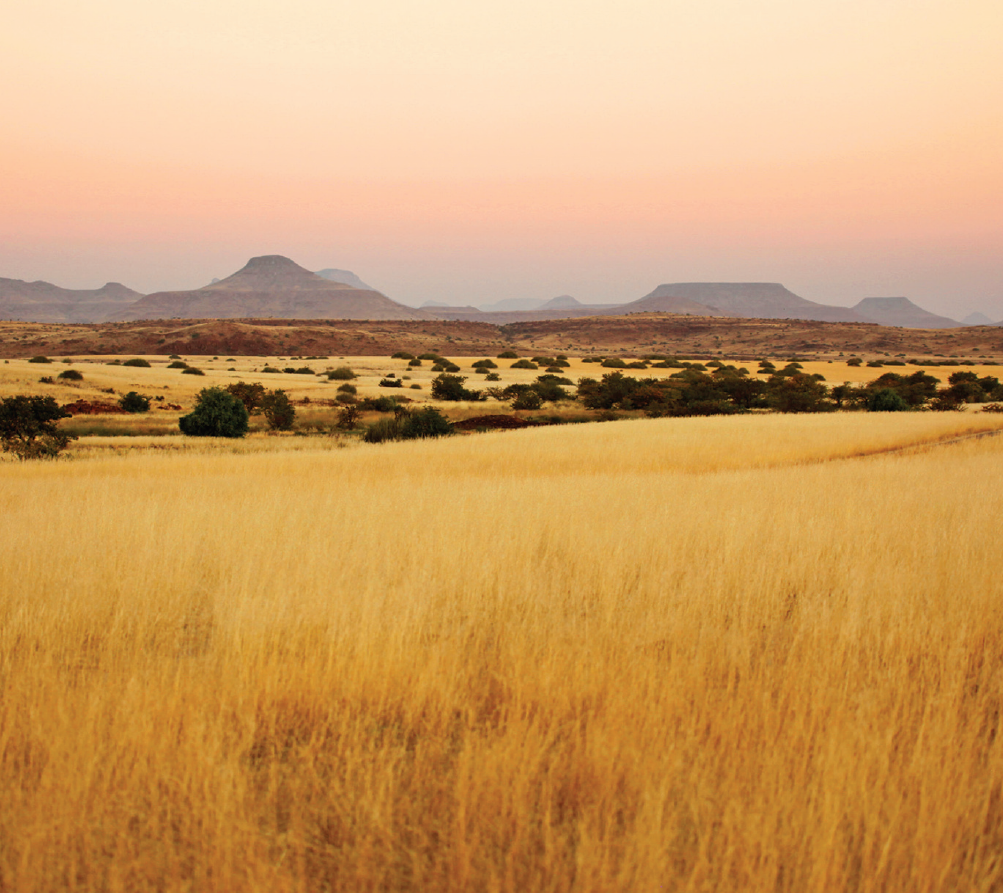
x: 342, y: 373
x: 524, y: 364
x: 174, y: 356
x: 178, y: 364
x: 415, y: 361
x: 854, y: 361
x: 529, y: 399
x: 346, y: 389
x: 403, y: 355
x: 429, y: 356
x: 484, y: 364
x: 507, y: 355
x: 46, y: 379
x: 886, y: 400
x: 390, y: 383
x: 452, y: 387
x: 137, y: 361
x: 133, y: 402
x: 379, y: 404
x: 216, y: 414
x: 543, y: 361
x: 346, y: 398
x: 637, y: 365
x: 192, y: 370
x: 875, y: 364
x: 613, y: 363
x: 452, y: 367
x: 273, y: 369
x: 437, y: 367
x: 70, y: 375
x: 278, y: 411
x: 28, y: 427
x: 409, y: 425
x: 416, y: 387
x: 493, y: 376
x: 39, y: 360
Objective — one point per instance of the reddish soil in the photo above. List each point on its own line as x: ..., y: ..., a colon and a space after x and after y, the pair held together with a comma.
x: 95, y: 407
x: 633, y: 334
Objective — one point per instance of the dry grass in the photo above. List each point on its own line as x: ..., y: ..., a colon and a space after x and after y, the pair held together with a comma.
x: 700, y: 654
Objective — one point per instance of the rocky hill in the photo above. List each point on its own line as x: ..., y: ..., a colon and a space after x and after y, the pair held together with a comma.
x: 751, y: 300
x: 45, y: 302
x: 270, y: 286
x: 902, y: 312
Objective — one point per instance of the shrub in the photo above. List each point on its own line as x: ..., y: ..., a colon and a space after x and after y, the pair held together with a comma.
x: 133, y: 402
x: 529, y: 399
x: 524, y: 364
x: 216, y: 414
x: 250, y: 394
x: 452, y: 387
x: 192, y: 370
x: 39, y: 360
x: 854, y: 361
x: 435, y: 357
x: 346, y: 389
x: 348, y: 417
x: 178, y: 364
x: 70, y: 375
x: 886, y: 400
x: 342, y: 373
x: 452, y: 367
x: 409, y: 425
x: 390, y: 383
x: 278, y: 411
x: 403, y: 355
x: 543, y: 361
x: 137, y: 361
x: 28, y: 427
x: 875, y: 364
x: 174, y: 356
x: 507, y: 355
x: 484, y: 364
x: 273, y: 369
x: 301, y: 370
x: 345, y: 398
x: 46, y: 379
x: 415, y: 362
x: 379, y: 404
x: 492, y: 376
x: 613, y: 363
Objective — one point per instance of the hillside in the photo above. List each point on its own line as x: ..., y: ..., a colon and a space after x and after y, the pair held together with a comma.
x: 752, y: 300
x: 902, y: 312
x: 270, y: 286
x: 45, y: 302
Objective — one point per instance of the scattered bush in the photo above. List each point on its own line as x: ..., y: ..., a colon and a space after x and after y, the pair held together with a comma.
x: 854, y: 361
x: 28, y: 427
x: 613, y: 363
x: 39, y: 360
x: 216, y: 414
x: 507, y: 355
x: 524, y: 364
x: 133, y: 402
x: 178, y: 364
x: 342, y: 373
x: 390, y: 383
x: 452, y: 367
x: 70, y: 375
x: 379, y: 404
x: 346, y: 389
x: 403, y: 355
x: 192, y: 370
x: 273, y: 369
x: 174, y: 356
x: 46, y: 379
x: 528, y: 399
x: 137, y: 361
x: 250, y: 394
x: 409, y: 425
x: 993, y: 407
x: 493, y: 376
x: 484, y: 364
x: 886, y: 400
x: 415, y: 361
x: 278, y: 411
x: 452, y: 387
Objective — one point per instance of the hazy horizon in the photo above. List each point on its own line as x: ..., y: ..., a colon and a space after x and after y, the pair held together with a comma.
x: 469, y: 154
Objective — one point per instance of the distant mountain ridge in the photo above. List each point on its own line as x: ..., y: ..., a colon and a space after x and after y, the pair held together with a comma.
x: 45, y: 302
x: 270, y: 286
x: 902, y: 312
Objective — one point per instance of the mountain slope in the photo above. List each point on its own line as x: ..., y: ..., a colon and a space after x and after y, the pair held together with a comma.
x: 902, y: 312
x: 752, y: 300
x: 271, y: 286
x: 45, y: 302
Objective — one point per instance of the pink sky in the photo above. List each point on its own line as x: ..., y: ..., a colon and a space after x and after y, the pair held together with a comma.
x: 467, y: 152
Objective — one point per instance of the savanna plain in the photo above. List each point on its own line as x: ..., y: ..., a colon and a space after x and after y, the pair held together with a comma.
x: 753, y: 652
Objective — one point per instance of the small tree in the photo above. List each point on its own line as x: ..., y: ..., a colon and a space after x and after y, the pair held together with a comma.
x: 133, y: 402
x: 452, y: 387
x: 886, y: 400
x: 216, y: 414
x: 250, y: 394
x: 278, y: 411
x: 28, y: 427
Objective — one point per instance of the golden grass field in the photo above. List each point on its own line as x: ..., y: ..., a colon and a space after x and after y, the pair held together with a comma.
x: 751, y: 653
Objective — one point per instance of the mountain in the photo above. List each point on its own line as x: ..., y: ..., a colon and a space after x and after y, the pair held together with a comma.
x: 345, y: 277
x: 977, y: 319
x: 902, y: 312
x: 751, y: 300
x: 45, y: 302
x: 563, y: 302
x: 274, y: 286
x: 510, y: 305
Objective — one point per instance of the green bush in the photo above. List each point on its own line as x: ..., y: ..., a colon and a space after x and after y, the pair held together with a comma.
x: 484, y: 364
x: 273, y: 369
x: 886, y: 400
x: 507, y: 355
x: 137, y: 361
x: 250, y: 394
x: 613, y: 363
x: 415, y: 361
x: 133, y: 402
x: 346, y: 389
x: 452, y: 387
x: 492, y: 376
x: 342, y: 373
x: 854, y: 361
x: 178, y: 364
x: 390, y: 383
x: 28, y: 427
x: 409, y: 425
x: 70, y: 375
x: 435, y: 357
x: 524, y: 364
x: 216, y: 414
x: 403, y: 355
x: 192, y: 370
x: 278, y: 411
x: 39, y: 360
x: 529, y: 399
x: 379, y: 404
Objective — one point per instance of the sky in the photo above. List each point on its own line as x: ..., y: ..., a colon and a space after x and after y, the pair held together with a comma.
x: 466, y: 152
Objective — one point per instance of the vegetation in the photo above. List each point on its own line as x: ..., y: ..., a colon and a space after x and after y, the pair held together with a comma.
x: 39, y: 359
x: 28, y: 427
x: 192, y: 370
x: 342, y: 373
x: 279, y: 412
x: 216, y: 414
x: 452, y: 387
x: 70, y: 375
x: 409, y: 425
x: 134, y: 402
x: 137, y: 361
x: 251, y: 394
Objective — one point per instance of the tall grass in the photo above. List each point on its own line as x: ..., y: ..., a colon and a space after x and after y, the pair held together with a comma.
x: 586, y: 658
